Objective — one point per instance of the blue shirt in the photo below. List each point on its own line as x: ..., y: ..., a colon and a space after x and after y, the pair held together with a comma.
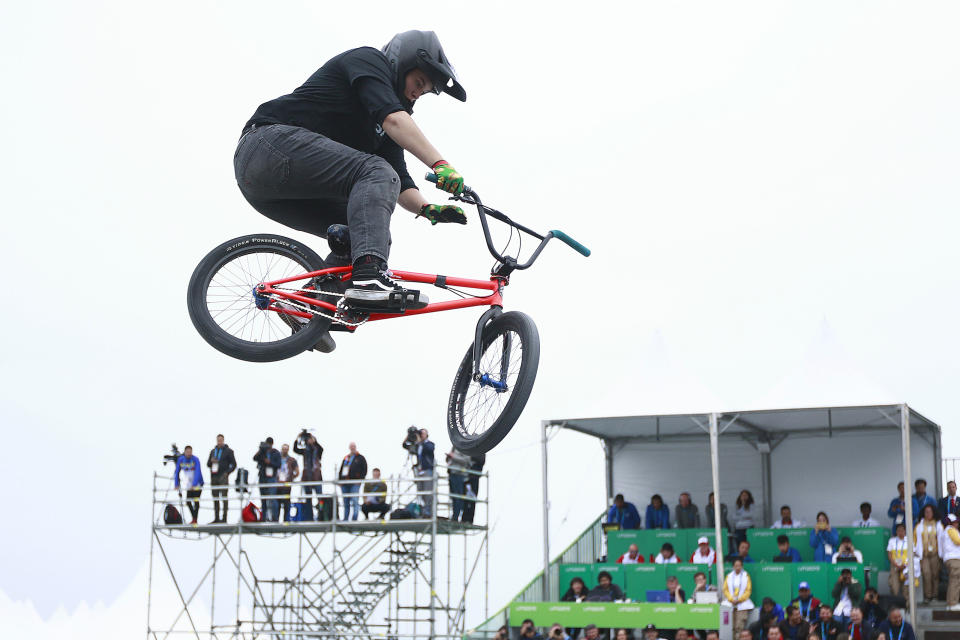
x: 791, y: 553
x: 819, y: 541
x: 658, y: 518
x: 918, y: 506
x: 628, y: 517
x: 190, y: 466
x: 896, y: 508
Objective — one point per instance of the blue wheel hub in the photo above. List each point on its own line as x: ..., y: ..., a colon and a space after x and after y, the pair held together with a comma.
x: 262, y: 301
x: 487, y: 381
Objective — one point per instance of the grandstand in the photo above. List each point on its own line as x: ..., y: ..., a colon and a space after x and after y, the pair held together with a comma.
x: 818, y: 459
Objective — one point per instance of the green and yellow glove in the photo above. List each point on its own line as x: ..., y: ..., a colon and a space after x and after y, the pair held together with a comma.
x: 447, y: 178
x: 442, y: 213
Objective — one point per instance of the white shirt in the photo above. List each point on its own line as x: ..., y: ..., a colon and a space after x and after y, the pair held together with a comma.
x: 710, y: 558
x: 794, y: 524
x: 737, y: 584
x: 628, y: 560
x: 869, y: 522
x: 661, y: 560
x: 856, y: 553
x: 844, y: 606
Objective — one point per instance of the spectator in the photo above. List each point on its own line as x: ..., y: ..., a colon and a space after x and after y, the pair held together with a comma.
x: 557, y: 632
x: 847, y: 594
x: 528, y: 631
x: 700, y: 585
x: 457, y: 464
x: 577, y: 591
x: 189, y: 467
x: 307, y: 446
x: 473, y: 486
x: 921, y: 499
x: 353, y: 467
x: 605, y: 591
x: 711, y: 512
x: 623, y: 513
x: 787, y: 553
x: 927, y: 534
x: 896, y: 627
x: 806, y: 604
x: 650, y: 632
x: 221, y: 463
x: 770, y: 616
x: 632, y: 556
x: 846, y: 553
x: 745, y: 516
x: 774, y: 633
x: 858, y: 628
x: 666, y: 555
x: 687, y: 513
x: 786, y: 520
x: 658, y: 515
x: 704, y: 553
x: 865, y: 520
x: 897, y: 509
x: 823, y: 538
x: 743, y: 552
x: 796, y: 626
x: 951, y: 559
x: 375, y: 497
x: 590, y: 632
x: 826, y: 627
x: 676, y: 593
x: 289, y: 470
x: 268, y: 464
x: 713, y: 634
x: 681, y: 634
x: 950, y: 503
x: 873, y: 613
x: 736, y: 592
x: 745, y: 634
x: 503, y: 633
x: 899, y: 554
x: 424, y: 468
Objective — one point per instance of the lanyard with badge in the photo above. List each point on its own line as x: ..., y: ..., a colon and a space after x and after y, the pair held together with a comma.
x: 215, y: 466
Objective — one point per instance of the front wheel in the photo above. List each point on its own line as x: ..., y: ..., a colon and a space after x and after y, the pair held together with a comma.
x: 482, y: 409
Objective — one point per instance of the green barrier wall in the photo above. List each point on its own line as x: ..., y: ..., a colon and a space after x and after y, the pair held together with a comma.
x: 771, y: 579
x: 604, y: 614
x: 871, y: 542
x: 641, y: 577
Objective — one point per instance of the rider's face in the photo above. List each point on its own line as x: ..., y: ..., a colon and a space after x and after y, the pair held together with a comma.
x: 417, y: 83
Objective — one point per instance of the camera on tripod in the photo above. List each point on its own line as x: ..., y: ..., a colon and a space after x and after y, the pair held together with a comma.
x: 173, y: 455
x: 412, y: 440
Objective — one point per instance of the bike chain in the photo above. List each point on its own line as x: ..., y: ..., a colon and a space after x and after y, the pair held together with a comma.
x: 338, y: 317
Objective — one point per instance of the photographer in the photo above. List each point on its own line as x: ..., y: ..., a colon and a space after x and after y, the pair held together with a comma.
x: 457, y: 464
x: 557, y: 632
x: 424, y: 469
x: 353, y: 467
x: 375, y: 494
x: 189, y: 466
x: 288, y: 473
x: 307, y: 446
x: 268, y: 464
x: 528, y: 631
x: 221, y: 463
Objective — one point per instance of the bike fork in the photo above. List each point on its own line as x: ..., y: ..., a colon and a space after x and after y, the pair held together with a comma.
x: 485, y: 379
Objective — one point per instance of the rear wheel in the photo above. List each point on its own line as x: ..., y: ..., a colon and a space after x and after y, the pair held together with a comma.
x: 225, y: 311
x: 481, y: 411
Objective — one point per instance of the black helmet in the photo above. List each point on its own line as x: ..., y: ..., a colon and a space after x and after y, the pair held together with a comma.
x: 421, y: 50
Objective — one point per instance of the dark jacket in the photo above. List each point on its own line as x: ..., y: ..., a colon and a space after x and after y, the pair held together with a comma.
x: 802, y: 630
x: 425, y: 460
x: 724, y: 522
x: 687, y: 517
x: 227, y: 462
x: 943, y: 507
x: 866, y: 630
x: 268, y: 458
x: 658, y: 518
x: 888, y: 629
x: 312, y: 455
x: 854, y: 590
x: 872, y: 612
x: 599, y: 594
x: 375, y: 490
x: 357, y: 469
x: 810, y: 610
x: 826, y: 630
x: 627, y: 518
x: 570, y: 596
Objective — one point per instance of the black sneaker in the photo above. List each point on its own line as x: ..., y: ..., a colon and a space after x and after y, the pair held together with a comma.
x: 373, y: 288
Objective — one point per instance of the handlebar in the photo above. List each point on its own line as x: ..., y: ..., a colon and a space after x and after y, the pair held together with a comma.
x: 469, y: 196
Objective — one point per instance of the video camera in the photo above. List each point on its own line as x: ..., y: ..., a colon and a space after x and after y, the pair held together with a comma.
x: 173, y: 455
x: 302, y: 438
x: 412, y: 439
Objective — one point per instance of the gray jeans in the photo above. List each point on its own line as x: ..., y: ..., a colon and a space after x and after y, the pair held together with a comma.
x: 307, y: 181
x: 426, y: 484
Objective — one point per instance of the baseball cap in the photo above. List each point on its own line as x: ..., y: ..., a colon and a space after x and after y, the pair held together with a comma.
x: 650, y: 627
x: 803, y: 585
x: 703, y: 540
x: 952, y: 517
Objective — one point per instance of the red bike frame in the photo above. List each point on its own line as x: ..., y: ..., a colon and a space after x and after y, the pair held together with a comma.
x: 494, y: 285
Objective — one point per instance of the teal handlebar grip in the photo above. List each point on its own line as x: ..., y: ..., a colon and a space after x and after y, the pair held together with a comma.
x: 573, y: 244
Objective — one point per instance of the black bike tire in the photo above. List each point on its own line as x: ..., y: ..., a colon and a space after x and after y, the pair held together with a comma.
x: 525, y: 328
x: 229, y: 344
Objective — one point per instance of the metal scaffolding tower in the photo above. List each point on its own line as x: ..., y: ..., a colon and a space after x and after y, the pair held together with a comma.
x: 392, y: 578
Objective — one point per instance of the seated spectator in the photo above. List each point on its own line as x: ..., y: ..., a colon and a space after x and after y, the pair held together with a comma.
x: 823, y: 538
x: 666, y: 555
x: 623, y: 634
x: 743, y: 552
x: 676, y: 593
x: 632, y: 556
x: 774, y: 633
x: 796, y: 626
x: 787, y: 553
x: 681, y: 634
x: 577, y: 591
x: 770, y: 616
x: 658, y: 515
x: 865, y: 520
x: 857, y: 628
x: 873, y: 613
x: 712, y: 634
x: 745, y: 634
x: 528, y: 631
x: 710, y: 511
x: 557, y: 632
x: 736, y: 592
x: 687, y: 513
x: 897, y: 509
x: 704, y: 554
x: 623, y: 513
x: 899, y: 554
x: 590, y: 632
x: 375, y: 497
x: 744, y: 516
x: 605, y: 591
x: 700, y: 585
x: 921, y: 499
x: 650, y: 632
x: 786, y: 520
x: 806, y: 604
x: 949, y: 503
x: 847, y: 594
x: 896, y: 627
x: 846, y: 552
x: 825, y: 626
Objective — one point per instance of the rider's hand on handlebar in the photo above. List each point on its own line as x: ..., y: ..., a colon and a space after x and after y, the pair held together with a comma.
x: 447, y: 178
x: 442, y: 213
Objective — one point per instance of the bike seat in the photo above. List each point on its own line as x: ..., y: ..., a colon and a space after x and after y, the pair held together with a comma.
x: 338, y: 237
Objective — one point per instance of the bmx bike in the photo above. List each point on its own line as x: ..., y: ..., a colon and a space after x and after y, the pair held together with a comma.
x: 265, y: 297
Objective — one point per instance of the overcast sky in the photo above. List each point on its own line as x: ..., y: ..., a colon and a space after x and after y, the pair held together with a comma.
x: 768, y: 188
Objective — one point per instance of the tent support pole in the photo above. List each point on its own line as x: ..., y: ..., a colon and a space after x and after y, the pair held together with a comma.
x: 714, y: 469
x: 546, y: 513
x: 767, y: 486
x: 908, y: 508
x: 608, y: 461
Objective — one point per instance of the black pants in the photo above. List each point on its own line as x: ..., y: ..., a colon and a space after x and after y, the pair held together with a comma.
x: 220, y: 493
x: 469, y: 506
x: 193, y: 502
x: 284, y: 500
x: 372, y: 507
